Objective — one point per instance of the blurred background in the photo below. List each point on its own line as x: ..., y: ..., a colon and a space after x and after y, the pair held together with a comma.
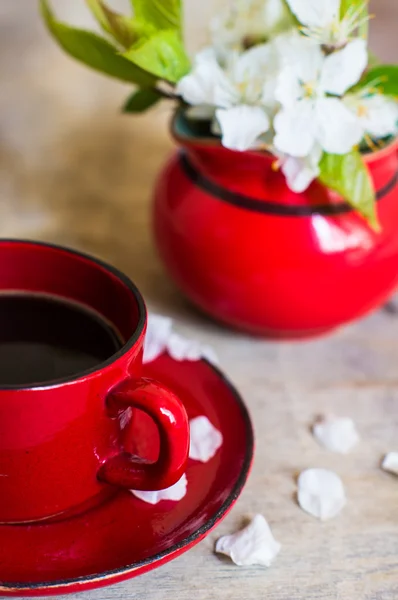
x: 73, y: 169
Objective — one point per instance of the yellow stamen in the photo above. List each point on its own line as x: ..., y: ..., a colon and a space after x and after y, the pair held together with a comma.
x: 309, y: 89
x: 362, y: 111
x: 243, y: 88
x: 276, y: 165
x: 370, y: 142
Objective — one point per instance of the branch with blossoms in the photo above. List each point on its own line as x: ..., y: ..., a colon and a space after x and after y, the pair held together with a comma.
x: 291, y: 77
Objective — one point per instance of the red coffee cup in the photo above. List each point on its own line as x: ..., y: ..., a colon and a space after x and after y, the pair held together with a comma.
x: 61, y: 444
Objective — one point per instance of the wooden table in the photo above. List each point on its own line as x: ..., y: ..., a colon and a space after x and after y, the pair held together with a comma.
x: 75, y: 172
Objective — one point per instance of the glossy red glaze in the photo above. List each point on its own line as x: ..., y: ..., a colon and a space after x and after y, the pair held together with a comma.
x: 125, y: 537
x: 61, y: 446
x: 255, y: 255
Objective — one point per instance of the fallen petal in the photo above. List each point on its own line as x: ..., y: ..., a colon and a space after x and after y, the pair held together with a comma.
x: 321, y: 493
x: 336, y: 434
x: 390, y: 463
x: 157, y: 335
x: 181, y: 348
x: 161, y: 338
x: 175, y: 492
x: 253, y: 545
x: 205, y: 439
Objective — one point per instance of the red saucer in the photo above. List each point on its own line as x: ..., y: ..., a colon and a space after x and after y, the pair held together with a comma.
x: 125, y: 536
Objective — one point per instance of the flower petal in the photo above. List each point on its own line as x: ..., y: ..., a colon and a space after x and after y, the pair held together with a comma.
x: 205, y: 439
x: 206, y: 55
x: 181, y: 348
x: 301, y: 54
x: 379, y: 116
x: 288, y: 89
x: 298, y: 176
x: 242, y: 125
x: 197, y: 88
x: 343, y: 69
x: 274, y: 11
x: 286, y: 41
x: 175, y: 492
x: 321, y: 493
x: 390, y: 463
x: 337, y: 129
x: 295, y: 134
x: 250, y: 70
x: 202, y: 85
x: 315, y: 13
x: 157, y: 335
x: 337, y: 434
x: 225, y: 93
x: 243, y: 19
x: 301, y: 172
x: 253, y: 545
x: 268, y: 94
x: 254, y: 62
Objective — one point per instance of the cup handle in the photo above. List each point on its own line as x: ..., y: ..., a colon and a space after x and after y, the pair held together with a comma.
x: 126, y: 470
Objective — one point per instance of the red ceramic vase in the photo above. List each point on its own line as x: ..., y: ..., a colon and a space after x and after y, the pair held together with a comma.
x: 256, y: 256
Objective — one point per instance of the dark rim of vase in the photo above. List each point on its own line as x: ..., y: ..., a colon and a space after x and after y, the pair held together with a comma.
x: 270, y: 207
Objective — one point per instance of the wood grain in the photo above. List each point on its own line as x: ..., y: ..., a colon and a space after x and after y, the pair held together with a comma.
x: 74, y: 171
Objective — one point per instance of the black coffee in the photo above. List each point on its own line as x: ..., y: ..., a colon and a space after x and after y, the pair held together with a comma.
x: 44, y: 339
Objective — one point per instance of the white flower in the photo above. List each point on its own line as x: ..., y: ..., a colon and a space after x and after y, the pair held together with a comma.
x: 377, y: 114
x: 201, y: 87
x: 300, y: 172
x: 245, y: 20
x: 322, y: 20
x: 241, y: 126
x: 240, y: 95
x: 308, y: 116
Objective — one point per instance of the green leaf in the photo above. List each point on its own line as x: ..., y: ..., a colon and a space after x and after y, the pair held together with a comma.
x: 94, y: 51
x: 96, y: 8
x: 383, y: 78
x: 348, y: 175
x: 162, y: 54
x: 123, y: 29
x: 374, y: 60
x: 142, y: 100
x: 163, y: 14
